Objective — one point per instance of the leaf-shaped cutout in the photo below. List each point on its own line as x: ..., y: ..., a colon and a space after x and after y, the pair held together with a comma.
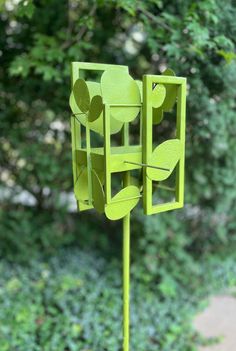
x: 95, y: 109
x: 97, y: 193
x: 171, y: 96
x: 81, y: 185
x: 166, y: 156
x: 140, y: 86
x: 96, y: 125
x: 95, y: 115
x: 171, y: 92
x: 74, y: 107
x: 123, y: 202
x: 101, y: 175
x: 168, y: 72
x: 81, y: 117
x: 157, y: 115
x: 158, y: 95
x: 115, y: 126
x: 120, y: 88
x: 137, y: 182
x: 95, y: 90
x: 169, y: 101
x: 81, y: 95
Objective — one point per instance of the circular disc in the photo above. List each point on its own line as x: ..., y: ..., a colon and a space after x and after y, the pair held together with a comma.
x: 98, y: 193
x: 158, y: 95
x: 76, y: 111
x: 96, y: 124
x: 95, y: 109
x: 171, y: 92
x: 157, y: 115
x: 81, y: 94
x: 123, y: 202
x: 140, y: 86
x: 93, y: 90
x: 74, y: 107
x: 137, y: 182
x: 100, y: 174
x: 168, y: 72
x: 115, y: 125
x: 120, y: 88
x: 81, y: 185
x: 171, y: 96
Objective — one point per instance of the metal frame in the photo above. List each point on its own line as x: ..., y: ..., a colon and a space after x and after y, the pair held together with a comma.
x: 126, y: 158
x: 149, y: 80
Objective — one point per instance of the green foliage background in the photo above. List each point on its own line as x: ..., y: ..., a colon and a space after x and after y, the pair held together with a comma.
x: 60, y: 271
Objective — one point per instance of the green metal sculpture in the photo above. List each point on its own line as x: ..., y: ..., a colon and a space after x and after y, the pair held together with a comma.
x: 101, y: 109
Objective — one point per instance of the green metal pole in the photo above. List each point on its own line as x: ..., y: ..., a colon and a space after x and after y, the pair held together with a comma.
x: 126, y: 280
x: 126, y: 254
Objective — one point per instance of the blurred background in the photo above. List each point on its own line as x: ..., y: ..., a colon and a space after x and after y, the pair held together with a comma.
x: 60, y: 270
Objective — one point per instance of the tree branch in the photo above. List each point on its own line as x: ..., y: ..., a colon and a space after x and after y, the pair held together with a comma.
x: 155, y: 19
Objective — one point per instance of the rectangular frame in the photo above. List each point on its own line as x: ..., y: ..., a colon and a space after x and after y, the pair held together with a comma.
x: 76, y: 67
x: 148, y: 81
x: 112, y: 162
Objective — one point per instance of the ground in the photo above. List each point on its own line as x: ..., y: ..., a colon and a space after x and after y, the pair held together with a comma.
x: 218, y: 321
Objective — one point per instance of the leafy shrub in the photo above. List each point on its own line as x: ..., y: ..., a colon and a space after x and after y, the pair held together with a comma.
x: 38, y: 41
x: 72, y: 301
x: 196, y: 39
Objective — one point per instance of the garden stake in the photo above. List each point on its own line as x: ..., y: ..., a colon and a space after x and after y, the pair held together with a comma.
x: 113, y: 104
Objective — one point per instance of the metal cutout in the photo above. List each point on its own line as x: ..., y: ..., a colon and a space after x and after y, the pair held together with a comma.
x: 106, y: 108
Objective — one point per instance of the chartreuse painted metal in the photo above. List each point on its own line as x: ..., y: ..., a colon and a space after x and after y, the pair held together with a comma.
x: 111, y: 105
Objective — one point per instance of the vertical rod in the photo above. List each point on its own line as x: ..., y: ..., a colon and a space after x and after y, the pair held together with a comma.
x: 126, y: 273
x: 126, y: 134
x: 126, y: 280
x: 107, y: 151
x: 89, y: 167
